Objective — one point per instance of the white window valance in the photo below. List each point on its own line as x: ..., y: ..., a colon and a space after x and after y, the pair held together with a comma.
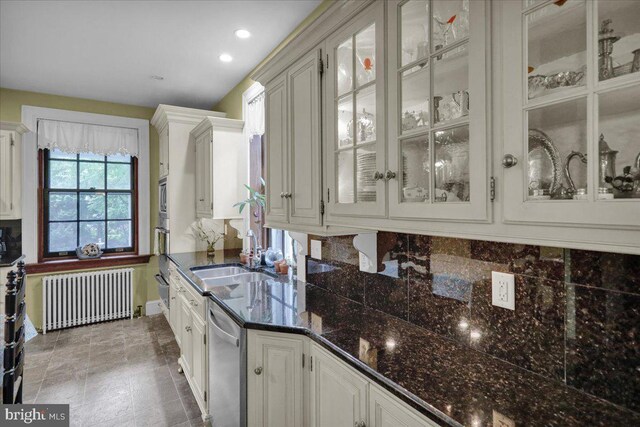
x: 73, y: 137
x: 255, y: 115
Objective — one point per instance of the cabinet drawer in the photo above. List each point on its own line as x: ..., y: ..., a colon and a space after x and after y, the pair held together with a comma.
x: 197, y: 301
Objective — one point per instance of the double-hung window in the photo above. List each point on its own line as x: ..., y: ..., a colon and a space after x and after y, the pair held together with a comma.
x: 88, y: 198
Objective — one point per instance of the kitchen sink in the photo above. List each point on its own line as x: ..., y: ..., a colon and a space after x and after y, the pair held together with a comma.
x: 237, y: 279
x: 214, y: 272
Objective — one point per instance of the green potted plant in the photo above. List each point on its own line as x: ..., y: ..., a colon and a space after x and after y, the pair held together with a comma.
x: 205, y: 231
x: 256, y: 201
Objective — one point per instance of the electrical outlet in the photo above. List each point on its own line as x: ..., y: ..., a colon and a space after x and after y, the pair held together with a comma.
x: 503, y: 290
x: 316, y: 249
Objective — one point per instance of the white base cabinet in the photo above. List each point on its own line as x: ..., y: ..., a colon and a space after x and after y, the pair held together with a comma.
x: 186, y: 317
x: 275, y: 379
x: 294, y: 382
x: 338, y: 394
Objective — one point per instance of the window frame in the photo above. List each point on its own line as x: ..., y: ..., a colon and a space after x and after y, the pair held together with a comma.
x: 43, y: 211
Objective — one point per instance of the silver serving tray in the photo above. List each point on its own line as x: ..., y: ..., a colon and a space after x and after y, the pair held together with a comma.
x: 545, y: 167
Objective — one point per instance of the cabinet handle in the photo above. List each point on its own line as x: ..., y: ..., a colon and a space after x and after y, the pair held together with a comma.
x: 187, y: 328
x: 378, y: 176
x: 173, y: 297
x: 193, y: 303
x: 360, y: 424
x: 390, y: 175
x: 202, y: 200
x: 258, y: 370
x: 287, y: 195
x: 509, y: 160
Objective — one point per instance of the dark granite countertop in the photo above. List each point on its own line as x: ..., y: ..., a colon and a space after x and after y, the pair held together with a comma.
x: 10, y: 258
x: 450, y: 383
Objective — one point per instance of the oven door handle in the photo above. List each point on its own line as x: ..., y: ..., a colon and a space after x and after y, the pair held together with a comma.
x: 161, y: 280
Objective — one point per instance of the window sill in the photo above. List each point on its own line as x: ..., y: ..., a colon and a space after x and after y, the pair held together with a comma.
x: 85, y: 264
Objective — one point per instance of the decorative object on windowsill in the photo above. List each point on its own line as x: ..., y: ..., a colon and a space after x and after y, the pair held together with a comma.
x: 544, y: 165
x: 606, y: 39
x: 89, y: 251
x: 281, y: 266
x: 272, y: 256
x: 205, y: 231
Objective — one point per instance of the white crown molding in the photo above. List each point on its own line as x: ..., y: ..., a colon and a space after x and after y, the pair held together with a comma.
x: 339, y: 12
x: 14, y: 126
x: 171, y: 113
x: 216, y: 123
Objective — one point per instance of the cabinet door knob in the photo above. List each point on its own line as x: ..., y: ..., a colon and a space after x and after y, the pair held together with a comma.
x: 288, y: 195
x: 378, y: 176
x: 282, y: 194
x: 390, y: 175
x: 258, y: 370
x: 360, y: 424
x: 187, y: 328
x: 509, y: 160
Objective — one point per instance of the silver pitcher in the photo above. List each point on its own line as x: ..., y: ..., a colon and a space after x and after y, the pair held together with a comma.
x: 607, y: 163
x: 583, y: 157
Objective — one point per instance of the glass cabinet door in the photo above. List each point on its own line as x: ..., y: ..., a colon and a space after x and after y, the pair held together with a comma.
x: 355, y: 117
x: 437, y: 131
x: 571, y: 147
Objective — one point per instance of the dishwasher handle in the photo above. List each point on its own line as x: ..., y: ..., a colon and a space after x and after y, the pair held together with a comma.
x: 222, y: 333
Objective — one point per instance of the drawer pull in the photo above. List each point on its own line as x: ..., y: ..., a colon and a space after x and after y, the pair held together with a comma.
x: 258, y: 370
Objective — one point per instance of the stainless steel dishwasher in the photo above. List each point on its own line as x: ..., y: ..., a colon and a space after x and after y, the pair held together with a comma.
x: 227, y: 370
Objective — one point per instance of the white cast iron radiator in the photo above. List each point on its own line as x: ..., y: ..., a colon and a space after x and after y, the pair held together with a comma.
x: 89, y: 297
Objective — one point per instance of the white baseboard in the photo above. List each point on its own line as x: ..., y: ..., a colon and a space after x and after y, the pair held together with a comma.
x: 153, y: 307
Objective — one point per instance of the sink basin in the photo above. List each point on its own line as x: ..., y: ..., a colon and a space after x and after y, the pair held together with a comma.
x: 213, y: 272
x: 237, y: 279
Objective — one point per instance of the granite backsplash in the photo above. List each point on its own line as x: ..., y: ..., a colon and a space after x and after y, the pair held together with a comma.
x: 576, y: 318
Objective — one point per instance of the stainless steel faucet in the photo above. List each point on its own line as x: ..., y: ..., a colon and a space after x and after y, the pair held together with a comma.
x: 255, y: 259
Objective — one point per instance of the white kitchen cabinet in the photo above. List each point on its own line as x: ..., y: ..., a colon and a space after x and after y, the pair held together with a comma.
x: 355, y: 117
x: 276, y: 139
x: 293, y: 139
x: 199, y: 359
x: 10, y: 170
x: 163, y: 142
x: 221, y: 167
x: 571, y: 114
x: 186, y: 335
x: 338, y: 394
x: 438, y: 152
x: 275, y: 380
x: 174, y: 125
x: 174, y: 310
x: 387, y: 411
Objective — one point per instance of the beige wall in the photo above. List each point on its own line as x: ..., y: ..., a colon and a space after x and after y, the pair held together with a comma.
x: 231, y: 103
x: 11, y: 102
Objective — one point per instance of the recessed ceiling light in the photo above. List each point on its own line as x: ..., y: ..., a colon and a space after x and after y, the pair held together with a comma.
x: 225, y: 57
x: 155, y: 77
x: 243, y: 34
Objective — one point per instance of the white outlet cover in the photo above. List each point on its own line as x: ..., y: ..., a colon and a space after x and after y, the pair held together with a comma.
x: 503, y: 290
x: 316, y: 249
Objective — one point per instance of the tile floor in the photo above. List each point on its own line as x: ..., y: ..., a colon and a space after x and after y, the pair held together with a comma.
x: 120, y: 373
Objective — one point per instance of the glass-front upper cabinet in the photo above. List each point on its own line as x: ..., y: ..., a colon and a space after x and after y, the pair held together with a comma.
x: 355, y: 116
x: 571, y: 102
x: 437, y: 86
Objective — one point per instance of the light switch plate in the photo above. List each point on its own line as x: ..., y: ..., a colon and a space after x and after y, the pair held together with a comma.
x: 503, y: 290
x: 316, y: 249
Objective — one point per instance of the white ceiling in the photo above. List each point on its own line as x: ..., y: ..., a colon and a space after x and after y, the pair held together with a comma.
x: 108, y: 50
